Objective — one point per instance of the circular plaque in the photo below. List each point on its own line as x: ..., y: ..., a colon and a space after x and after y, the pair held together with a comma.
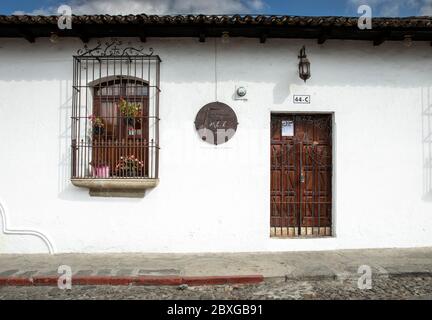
x: 216, y: 123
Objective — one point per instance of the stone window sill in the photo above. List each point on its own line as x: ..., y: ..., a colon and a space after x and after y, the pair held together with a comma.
x: 128, y: 188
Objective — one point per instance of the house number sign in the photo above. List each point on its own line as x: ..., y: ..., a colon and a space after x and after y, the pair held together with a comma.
x: 216, y: 123
x: 302, y: 99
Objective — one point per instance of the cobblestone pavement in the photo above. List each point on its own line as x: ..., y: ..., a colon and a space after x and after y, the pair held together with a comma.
x: 382, y: 288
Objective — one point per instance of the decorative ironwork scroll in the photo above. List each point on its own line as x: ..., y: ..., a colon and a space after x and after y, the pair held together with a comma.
x: 112, y: 48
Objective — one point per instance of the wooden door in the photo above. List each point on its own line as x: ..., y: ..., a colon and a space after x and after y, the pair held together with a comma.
x: 301, y: 175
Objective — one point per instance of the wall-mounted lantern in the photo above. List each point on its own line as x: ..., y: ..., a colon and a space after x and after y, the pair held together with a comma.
x: 304, y: 65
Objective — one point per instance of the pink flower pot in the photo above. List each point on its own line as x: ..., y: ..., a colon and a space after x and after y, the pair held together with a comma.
x: 101, y: 172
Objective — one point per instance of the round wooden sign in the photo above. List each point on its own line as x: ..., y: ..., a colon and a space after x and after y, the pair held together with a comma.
x: 216, y: 123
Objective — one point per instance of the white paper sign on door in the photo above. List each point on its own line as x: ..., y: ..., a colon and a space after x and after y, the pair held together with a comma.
x: 287, y: 128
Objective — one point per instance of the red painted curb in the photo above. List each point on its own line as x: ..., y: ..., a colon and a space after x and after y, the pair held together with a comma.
x: 129, y: 280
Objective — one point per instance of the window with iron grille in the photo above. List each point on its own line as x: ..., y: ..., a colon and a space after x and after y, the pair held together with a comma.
x: 115, y: 113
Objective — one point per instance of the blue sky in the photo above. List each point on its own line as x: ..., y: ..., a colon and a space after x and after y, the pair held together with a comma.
x: 289, y: 7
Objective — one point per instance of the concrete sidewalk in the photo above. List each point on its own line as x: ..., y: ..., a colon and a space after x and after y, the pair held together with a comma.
x: 292, y: 265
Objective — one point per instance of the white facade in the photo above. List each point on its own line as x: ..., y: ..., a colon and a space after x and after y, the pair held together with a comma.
x: 217, y: 199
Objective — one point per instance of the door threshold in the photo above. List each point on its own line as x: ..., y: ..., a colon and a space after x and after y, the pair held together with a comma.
x: 305, y: 232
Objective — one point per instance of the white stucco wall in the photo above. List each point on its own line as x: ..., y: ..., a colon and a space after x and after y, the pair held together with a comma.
x: 213, y: 199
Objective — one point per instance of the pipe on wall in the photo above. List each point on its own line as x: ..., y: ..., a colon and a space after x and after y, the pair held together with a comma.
x: 24, y: 232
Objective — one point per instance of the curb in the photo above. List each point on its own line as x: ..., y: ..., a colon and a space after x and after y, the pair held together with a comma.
x: 138, y: 281
x: 349, y: 276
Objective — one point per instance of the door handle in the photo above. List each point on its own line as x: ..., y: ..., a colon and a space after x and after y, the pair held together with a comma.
x: 302, y: 177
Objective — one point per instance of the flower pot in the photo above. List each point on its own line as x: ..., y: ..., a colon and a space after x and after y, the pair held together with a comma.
x: 98, y: 130
x: 128, y: 173
x: 129, y: 121
x: 101, y: 171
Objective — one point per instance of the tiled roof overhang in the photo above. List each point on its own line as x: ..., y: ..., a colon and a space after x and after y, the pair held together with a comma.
x: 202, y: 26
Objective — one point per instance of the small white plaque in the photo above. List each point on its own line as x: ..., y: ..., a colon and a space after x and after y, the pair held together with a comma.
x: 301, y: 99
x: 287, y: 128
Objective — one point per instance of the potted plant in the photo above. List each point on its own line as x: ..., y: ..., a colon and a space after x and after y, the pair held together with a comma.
x: 100, y: 169
x: 98, y: 127
x: 129, y: 111
x: 129, y: 166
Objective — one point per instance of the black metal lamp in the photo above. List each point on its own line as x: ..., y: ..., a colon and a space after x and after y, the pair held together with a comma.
x: 304, y: 65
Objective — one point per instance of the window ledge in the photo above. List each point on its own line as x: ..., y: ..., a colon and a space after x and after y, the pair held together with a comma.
x: 128, y: 188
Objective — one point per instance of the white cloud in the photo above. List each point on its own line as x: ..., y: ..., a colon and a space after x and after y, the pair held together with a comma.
x: 41, y: 11
x: 426, y: 9
x: 393, y: 8
x: 157, y: 7
x: 357, y: 3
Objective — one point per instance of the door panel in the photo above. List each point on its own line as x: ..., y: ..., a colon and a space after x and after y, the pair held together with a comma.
x: 301, y: 175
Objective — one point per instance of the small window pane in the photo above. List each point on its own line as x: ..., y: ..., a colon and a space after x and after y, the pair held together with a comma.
x: 107, y: 112
x: 136, y: 90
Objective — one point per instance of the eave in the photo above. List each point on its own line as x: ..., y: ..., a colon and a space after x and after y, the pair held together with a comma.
x: 201, y: 27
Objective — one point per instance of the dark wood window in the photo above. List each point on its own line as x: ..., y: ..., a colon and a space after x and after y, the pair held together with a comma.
x: 120, y: 135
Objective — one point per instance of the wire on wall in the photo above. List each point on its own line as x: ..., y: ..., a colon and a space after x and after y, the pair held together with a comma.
x: 215, y: 69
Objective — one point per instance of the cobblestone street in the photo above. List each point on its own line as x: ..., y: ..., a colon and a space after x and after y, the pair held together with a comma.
x: 382, y: 288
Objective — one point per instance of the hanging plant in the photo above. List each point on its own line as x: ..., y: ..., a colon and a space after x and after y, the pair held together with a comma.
x: 129, y: 111
x: 98, y: 127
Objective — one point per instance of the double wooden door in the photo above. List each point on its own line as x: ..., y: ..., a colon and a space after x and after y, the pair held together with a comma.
x: 301, y: 175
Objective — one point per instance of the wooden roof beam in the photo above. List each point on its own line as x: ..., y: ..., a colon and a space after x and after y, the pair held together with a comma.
x: 378, y: 41
x: 26, y: 34
x: 322, y: 38
x: 324, y: 35
x: 84, y: 38
x: 381, y: 37
x: 202, y: 37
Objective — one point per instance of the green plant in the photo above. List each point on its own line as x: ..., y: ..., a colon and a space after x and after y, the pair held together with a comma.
x: 129, y: 109
x: 97, y: 124
x: 96, y: 121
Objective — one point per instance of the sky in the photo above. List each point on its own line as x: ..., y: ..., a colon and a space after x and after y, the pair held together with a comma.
x: 386, y: 8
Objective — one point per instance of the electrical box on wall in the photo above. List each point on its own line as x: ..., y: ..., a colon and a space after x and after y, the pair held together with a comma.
x: 240, y: 93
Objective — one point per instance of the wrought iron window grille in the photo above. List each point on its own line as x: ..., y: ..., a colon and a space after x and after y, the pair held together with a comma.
x: 115, y: 112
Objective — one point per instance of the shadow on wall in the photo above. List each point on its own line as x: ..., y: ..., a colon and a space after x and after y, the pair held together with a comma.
x: 64, y: 124
x: 427, y: 144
